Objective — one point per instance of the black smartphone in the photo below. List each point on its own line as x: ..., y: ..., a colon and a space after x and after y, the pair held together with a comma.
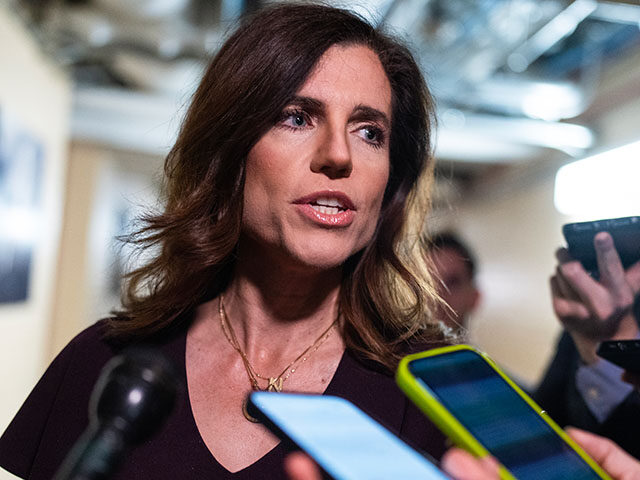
x: 626, y: 237
x: 624, y: 353
x: 346, y: 442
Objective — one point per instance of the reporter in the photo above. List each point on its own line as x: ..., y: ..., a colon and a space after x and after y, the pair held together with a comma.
x: 579, y: 388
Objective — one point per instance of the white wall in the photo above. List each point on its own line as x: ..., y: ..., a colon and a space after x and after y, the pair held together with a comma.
x: 514, y: 229
x: 37, y: 94
x: 101, y: 183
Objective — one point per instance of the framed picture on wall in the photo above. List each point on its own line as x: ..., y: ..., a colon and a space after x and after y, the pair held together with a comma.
x: 21, y: 165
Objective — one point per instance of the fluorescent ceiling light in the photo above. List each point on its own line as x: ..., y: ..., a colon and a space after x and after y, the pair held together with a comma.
x: 606, y: 185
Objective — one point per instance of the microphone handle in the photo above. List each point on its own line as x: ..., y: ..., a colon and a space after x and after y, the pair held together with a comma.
x: 95, y: 456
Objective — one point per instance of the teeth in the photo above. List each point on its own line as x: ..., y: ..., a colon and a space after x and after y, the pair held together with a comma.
x: 329, y: 202
x: 326, y: 210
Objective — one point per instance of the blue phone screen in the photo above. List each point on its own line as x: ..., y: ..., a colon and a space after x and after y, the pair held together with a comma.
x: 498, y: 417
x: 343, y: 439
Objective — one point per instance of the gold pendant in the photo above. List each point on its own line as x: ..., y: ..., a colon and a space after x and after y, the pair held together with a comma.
x: 275, y: 384
x: 247, y: 415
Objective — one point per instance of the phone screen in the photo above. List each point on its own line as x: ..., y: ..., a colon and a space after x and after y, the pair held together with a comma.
x: 345, y: 441
x: 626, y: 237
x: 498, y: 417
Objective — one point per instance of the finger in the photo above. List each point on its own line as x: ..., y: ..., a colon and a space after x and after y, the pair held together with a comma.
x: 633, y: 277
x: 562, y: 306
x: 569, y: 309
x: 299, y: 466
x: 574, y: 315
x: 576, y: 282
x: 609, y: 265
x: 607, y: 454
x: 554, y: 287
x: 563, y: 256
x: 462, y: 465
x: 563, y: 287
x: 632, y: 378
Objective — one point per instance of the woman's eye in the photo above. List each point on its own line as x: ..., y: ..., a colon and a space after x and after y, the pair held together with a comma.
x: 298, y: 120
x: 295, y: 120
x: 372, y: 135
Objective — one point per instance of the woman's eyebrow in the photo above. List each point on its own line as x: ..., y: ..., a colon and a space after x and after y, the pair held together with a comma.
x: 307, y: 103
x: 360, y: 112
x: 364, y: 113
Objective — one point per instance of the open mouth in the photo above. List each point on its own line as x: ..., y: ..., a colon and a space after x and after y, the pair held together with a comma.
x: 327, y: 206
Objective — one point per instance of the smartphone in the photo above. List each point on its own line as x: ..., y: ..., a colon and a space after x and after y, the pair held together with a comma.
x: 624, y: 353
x: 626, y: 237
x: 481, y: 410
x: 346, y: 442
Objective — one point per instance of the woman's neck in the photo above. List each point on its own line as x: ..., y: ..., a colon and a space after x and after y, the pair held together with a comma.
x: 276, y: 311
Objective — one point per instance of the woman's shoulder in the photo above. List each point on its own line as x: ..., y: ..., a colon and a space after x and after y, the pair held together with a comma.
x: 91, y: 337
x: 90, y: 347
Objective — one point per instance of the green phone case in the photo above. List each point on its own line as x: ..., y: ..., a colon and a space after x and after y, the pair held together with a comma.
x: 446, y: 422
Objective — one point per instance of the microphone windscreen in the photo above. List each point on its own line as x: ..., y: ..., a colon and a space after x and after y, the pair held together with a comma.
x: 135, y: 393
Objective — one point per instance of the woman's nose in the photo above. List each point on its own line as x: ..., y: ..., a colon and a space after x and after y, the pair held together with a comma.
x: 333, y: 158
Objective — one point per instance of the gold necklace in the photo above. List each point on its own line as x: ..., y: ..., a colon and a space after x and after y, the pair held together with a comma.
x: 274, y: 384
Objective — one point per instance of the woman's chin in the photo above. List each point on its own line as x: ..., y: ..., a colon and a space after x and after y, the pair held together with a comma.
x: 321, y: 258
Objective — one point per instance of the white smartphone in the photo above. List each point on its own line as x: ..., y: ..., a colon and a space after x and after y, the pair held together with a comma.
x: 346, y: 442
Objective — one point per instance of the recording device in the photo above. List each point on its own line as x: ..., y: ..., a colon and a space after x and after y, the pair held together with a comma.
x: 624, y: 231
x: 481, y: 410
x: 131, y: 399
x: 346, y: 442
x: 624, y: 353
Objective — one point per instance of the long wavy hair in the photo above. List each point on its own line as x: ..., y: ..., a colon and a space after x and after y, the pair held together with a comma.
x: 387, y: 293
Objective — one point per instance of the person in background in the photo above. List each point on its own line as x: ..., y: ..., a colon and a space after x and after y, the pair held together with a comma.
x: 579, y: 388
x: 455, y: 265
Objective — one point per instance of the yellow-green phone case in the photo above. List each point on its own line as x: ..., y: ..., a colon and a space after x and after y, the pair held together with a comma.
x: 445, y: 421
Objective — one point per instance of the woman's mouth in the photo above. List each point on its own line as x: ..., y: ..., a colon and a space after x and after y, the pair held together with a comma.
x: 328, y: 206
x: 328, y: 209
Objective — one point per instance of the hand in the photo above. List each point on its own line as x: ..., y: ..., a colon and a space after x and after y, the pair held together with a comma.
x: 592, y: 310
x: 299, y: 466
x: 461, y: 465
x: 456, y: 462
x: 631, y: 377
x: 615, y: 461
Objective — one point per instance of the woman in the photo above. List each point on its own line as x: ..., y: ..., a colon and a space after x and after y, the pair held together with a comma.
x: 286, y: 257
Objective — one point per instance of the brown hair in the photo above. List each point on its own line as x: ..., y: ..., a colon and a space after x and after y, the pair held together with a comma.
x: 386, y: 291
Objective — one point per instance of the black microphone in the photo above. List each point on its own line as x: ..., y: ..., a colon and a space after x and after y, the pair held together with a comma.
x: 130, y: 401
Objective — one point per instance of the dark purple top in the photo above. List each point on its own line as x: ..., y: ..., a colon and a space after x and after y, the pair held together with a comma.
x: 55, y: 414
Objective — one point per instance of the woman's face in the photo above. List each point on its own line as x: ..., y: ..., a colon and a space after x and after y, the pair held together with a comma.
x: 315, y: 181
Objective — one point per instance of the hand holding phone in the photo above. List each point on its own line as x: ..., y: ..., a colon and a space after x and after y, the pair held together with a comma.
x: 482, y: 411
x: 592, y: 309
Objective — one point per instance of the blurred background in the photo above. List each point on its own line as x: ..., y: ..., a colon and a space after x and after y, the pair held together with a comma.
x: 92, y: 94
